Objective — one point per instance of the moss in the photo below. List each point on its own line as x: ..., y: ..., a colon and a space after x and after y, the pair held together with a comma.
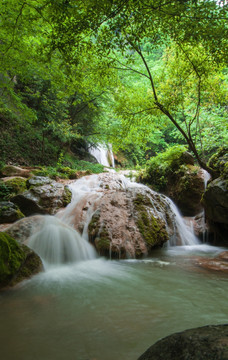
x: 16, y: 185
x: 152, y: 229
x: 11, y: 258
x: 67, y: 196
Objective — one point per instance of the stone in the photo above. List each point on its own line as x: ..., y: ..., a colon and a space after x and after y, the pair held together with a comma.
x: 215, y: 201
x: 44, y: 196
x: 128, y: 220
x: 24, y: 228
x: 17, y: 261
x: 203, y: 343
x: 11, y: 170
x: 9, y: 212
x: 218, y: 263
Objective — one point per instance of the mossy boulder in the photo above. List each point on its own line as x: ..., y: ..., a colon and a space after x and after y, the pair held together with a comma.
x: 215, y: 198
x: 219, y: 162
x: 16, y: 185
x: 173, y: 173
x: 17, y: 262
x: 152, y: 228
x: 203, y: 343
x: 9, y: 212
x: 44, y: 196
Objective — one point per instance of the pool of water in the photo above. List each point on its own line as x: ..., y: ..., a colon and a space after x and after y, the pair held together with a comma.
x: 108, y: 310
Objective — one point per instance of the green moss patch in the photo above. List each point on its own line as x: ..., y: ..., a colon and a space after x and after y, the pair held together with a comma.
x: 11, y: 258
x: 152, y: 229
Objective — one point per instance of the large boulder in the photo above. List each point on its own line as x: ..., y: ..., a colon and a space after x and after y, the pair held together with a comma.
x: 173, y: 173
x: 215, y: 198
x: 9, y: 212
x: 204, y: 343
x: 126, y: 219
x: 44, y: 196
x: 17, y: 261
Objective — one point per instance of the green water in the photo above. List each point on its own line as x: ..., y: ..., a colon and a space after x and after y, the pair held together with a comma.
x: 108, y: 310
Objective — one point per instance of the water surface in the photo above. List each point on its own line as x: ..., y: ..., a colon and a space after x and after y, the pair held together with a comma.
x: 108, y: 310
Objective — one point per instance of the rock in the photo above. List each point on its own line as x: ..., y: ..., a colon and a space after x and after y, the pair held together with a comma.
x: 187, y: 190
x: 16, y: 184
x: 219, y: 263
x: 9, y: 212
x: 128, y: 220
x: 215, y: 201
x: 204, y: 343
x: 24, y: 228
x: 11, y: 170
x: 187, y: 158
x: 17, y: 262
x: 45, y: 196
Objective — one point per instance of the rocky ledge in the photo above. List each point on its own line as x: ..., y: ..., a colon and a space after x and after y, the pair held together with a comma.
x: 204, y: 343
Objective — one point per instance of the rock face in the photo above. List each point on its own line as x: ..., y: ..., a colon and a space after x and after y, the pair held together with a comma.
x: 17, y: 261
x: 9, y: 212
x: 215, y: 199
x: 44, y: 196
x: 204, y: 343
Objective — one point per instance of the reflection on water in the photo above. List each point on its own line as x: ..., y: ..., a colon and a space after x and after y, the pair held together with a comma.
x: 106, y: 310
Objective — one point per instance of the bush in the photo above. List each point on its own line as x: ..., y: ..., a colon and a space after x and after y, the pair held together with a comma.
x: 161, y: 167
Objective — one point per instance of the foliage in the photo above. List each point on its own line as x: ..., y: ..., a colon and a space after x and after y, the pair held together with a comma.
x: 160, y: 168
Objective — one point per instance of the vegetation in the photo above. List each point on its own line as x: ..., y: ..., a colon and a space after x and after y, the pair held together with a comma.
x: 143, y: 75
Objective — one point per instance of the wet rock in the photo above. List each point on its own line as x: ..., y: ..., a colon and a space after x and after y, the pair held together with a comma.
x: 45, y: 196
x: 219, y: 263
x: 187, y: 158
x: 17, y: 262
x: 127, y: 220
x: 24, y: 228
x: 9, y: 212
x: 187, y: 190
x: 204, y: 343
x: 215, y: 200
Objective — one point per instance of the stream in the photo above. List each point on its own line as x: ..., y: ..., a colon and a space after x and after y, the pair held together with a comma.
x: 98, y: 309
x: 106, y: 310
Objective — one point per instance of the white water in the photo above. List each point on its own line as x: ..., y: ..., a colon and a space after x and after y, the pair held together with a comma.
x: 185, y: 230
x: 57, y: 242
x: 103, y: 155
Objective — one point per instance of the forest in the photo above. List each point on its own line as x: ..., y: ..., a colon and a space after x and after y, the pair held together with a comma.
x: 141, y: 75
x: 113, y: 179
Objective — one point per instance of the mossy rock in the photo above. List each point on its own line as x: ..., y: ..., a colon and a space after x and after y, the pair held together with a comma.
x: 67, y: 196
x: 152, y: 229
x: 219, y: 162
x: 16, y: 184
x: 9, y: 212
x: 17, y: 262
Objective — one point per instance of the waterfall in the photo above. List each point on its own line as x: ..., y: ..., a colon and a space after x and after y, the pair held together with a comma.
x: 57, y: 243
x: 183, y: 232
x: 58, y: 238
x: 103, y: 155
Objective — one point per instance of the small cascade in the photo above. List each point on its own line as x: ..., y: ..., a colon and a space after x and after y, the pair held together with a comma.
x: 57, y: 243
x: 183, y: 231
x: 103, y: 155
x: 111, y: 197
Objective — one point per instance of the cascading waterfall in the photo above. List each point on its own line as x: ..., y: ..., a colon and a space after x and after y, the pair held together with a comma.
x: 103, y: 155
x: 183, y: 234
x: 57, y: 241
